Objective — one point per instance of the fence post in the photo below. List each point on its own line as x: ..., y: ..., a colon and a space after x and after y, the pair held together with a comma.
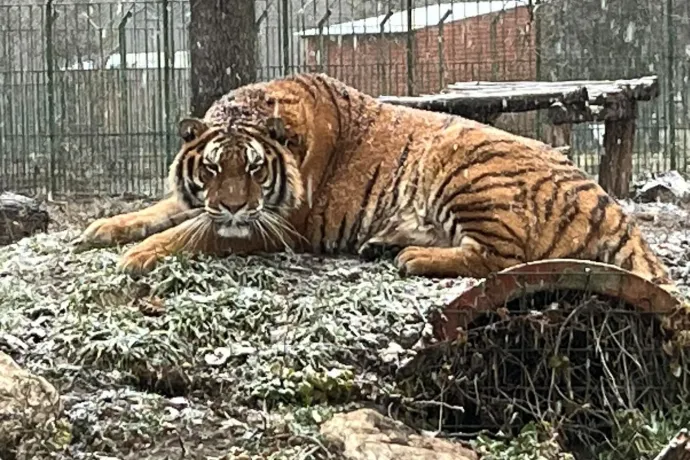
x: 51, y: 96
x: 536, y: 19
x: 286, y: 37
x: 441, y: 62
x: 166, y: 83
x: 410, y: 51
x: 322, y: 21
x: 385, y: 88
x: 670, y: 84
x: 122, y: 42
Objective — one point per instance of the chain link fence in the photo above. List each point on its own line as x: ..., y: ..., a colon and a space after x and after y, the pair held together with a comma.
x: 90, y: 91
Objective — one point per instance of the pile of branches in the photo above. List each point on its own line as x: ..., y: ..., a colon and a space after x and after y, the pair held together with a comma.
x: 573, y: 360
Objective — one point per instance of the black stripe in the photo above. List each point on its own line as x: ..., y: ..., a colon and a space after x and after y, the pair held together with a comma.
x: 467, y: 188
x: 327, y: 87
x: 379, y: 208
x: 570, y: 210
x: 274, y: 174
x: 624, y: 238
x: 305, y: 83
x: 485, y: 239
x: 322, y: 228
x: 468, y: 230
x: 483, y: 220
x: 282, y: 177
x: 558, y: 184
x: 413, y: 183
x: 345, y: 95
x: 341, y: 232
x: 597, y: 219
x: 364, y: 205
x: 399, y: 170
x: 492, y: 154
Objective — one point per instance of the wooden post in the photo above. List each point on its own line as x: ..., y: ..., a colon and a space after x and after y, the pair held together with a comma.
x: 615, y: 168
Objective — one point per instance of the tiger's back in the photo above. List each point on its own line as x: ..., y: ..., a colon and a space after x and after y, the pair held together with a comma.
x: 418, y: 179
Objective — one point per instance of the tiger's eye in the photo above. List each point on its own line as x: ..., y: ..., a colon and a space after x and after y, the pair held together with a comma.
x: 257, y: 171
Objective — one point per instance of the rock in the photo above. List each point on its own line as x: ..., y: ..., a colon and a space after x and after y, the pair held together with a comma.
x: 20, y: 216
x: 27, y: 403
x: 667, y: 187
x: 366, y: 434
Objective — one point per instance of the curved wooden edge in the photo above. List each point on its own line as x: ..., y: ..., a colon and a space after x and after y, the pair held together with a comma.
x: 581, y: 275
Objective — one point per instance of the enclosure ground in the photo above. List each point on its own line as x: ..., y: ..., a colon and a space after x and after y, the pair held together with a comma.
x: 207, y: 357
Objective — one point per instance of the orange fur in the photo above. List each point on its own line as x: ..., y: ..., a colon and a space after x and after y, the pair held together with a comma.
x: 450, y: 196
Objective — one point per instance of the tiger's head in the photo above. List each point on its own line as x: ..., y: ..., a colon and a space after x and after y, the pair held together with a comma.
x: 244, y: 176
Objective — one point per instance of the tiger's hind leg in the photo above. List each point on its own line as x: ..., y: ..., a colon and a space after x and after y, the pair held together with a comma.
x: 470, y: 260
x: 133, y: 226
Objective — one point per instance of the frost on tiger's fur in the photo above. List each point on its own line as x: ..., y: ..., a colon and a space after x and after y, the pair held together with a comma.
x: 307, y: 163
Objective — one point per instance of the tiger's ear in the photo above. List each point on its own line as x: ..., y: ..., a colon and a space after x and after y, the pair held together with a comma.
x: 191, y: 128
x: 276, y: 128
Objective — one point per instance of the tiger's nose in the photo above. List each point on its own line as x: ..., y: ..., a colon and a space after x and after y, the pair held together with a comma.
x: 233, y: 208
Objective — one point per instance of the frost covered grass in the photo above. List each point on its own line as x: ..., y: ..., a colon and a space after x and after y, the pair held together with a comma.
x: 253, y: 351
x: 244, y: 355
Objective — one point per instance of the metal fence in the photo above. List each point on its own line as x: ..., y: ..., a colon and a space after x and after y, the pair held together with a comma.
x: 90, y: 91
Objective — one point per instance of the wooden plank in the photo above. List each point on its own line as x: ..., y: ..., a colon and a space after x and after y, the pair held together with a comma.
x: 641, y: 89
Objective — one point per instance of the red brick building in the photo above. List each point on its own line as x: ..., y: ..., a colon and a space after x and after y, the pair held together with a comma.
x: 478, y: 40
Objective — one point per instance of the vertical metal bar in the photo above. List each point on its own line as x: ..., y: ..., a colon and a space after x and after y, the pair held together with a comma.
x: 385, y: 87
x: 322, y: 22
x: 257, y: 28
x: 286, y: 37
x: 441, y: 62
x: 670, y: 83
x: 51, y: 95
x: 494, y: 47
x: 124, y: 97
x: 536, y: 18
x: 410, y: 50
x: 166, y: 83
x: 122, y: 41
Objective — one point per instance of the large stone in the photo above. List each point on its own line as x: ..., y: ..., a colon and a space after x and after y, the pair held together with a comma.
x: 366, y: 434
x: 27, y: 402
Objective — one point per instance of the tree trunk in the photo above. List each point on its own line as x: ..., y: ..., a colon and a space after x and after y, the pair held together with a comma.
x: 20, y: 216
x: 222, y: 47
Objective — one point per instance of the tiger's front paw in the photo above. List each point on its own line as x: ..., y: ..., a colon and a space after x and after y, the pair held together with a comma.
x: 142, y: 258
x: 416, y: 261
x: 103, y: 233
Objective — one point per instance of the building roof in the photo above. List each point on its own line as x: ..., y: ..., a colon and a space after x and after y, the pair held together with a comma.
x: 426, y: 16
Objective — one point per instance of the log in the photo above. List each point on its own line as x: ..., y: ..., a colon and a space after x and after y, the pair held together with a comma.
x: 20, y: 216
x: 677, y: 449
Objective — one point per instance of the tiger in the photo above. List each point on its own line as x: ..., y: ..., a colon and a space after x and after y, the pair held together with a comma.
x: 306, y: 163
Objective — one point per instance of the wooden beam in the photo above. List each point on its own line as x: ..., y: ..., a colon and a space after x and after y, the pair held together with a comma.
x: 641, y: 89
